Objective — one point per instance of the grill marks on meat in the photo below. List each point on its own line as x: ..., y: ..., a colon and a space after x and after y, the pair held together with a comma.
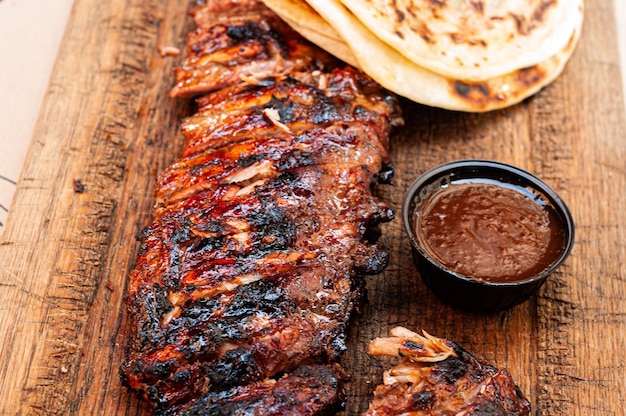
x: 254, y: 160
x: 248, y: 275
x: 436, y: 377
x: 236, y: 113
x: 241, y: 40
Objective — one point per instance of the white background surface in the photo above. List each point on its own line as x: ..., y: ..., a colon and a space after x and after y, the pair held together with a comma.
x: 30, y: 34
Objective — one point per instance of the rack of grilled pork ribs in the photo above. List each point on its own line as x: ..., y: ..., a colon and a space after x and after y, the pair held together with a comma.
x: 252, y: 267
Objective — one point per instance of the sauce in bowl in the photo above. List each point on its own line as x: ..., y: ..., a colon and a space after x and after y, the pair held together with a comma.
x: 488, y: 230
x: 485, y: 235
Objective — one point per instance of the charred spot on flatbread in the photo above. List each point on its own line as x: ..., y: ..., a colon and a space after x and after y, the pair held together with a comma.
x: 481, y: 95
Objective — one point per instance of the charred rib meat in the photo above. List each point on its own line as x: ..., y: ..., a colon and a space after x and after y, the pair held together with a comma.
x: 308, y: 390
x: 248, y: 274
x: 436, y: 377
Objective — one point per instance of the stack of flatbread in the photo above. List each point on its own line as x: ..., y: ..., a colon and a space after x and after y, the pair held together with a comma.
x: 466, y: 55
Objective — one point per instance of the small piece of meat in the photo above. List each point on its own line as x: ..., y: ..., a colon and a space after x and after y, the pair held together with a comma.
x: 436, y: 377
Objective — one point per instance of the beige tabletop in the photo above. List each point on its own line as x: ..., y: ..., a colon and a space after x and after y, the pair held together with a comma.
x: 30, y: 33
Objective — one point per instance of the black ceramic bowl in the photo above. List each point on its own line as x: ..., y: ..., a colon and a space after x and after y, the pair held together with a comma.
x: 466, y: 291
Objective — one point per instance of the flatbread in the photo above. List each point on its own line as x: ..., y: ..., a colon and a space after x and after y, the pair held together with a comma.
x: 398, y: 74
x: 471, y: 39
x: 306, y: 21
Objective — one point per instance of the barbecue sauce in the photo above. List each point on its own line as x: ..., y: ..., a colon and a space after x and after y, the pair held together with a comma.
x: 490, y: 231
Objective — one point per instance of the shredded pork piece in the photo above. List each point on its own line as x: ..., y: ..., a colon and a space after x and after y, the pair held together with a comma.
x: 415, y: 347
x: 436, y: 377
x: 274, y: 117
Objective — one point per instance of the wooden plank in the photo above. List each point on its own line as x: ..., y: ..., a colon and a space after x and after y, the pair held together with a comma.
x: 107, y: 122
x: 65, y: 255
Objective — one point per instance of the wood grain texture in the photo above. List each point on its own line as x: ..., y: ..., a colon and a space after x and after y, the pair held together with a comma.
x: 107, y: 122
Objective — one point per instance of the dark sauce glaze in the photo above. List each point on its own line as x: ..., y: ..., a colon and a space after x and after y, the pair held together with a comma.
x: 490, y: 231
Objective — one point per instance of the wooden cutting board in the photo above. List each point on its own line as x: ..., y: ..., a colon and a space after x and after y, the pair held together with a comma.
x: 107, y: 128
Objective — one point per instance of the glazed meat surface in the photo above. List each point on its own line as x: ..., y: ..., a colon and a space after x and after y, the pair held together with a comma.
x: 250, y: 271
x: 241, y: 40
x: 436, y: 377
